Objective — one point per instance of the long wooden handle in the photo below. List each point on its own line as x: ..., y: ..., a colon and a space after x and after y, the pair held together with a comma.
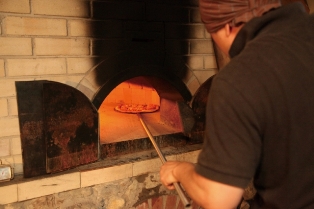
x: 177, y: 186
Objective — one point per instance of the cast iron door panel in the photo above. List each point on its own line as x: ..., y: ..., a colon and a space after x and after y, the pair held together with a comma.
x: 30, y: 106
x: 71, y: 127
x: 68, y: 128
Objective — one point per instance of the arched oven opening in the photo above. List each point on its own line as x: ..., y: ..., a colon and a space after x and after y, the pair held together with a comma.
x: 121, y: 132
x: 118, y: 112
x: 140, y: 77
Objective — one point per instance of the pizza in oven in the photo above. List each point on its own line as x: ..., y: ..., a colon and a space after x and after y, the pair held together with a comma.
x: 136, y: 108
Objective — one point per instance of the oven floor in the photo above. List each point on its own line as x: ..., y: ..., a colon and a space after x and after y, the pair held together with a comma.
x: 116, y: 126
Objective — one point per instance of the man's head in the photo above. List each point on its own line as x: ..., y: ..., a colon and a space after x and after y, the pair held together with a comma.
x: 223, y: 19
x: 216, y: 14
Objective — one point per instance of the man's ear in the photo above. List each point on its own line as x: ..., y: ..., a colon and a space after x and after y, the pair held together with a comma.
x: 231, y: 32
x: 227, y: 30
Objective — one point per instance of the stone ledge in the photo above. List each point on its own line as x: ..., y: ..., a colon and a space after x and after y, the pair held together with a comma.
x: 107, y: 170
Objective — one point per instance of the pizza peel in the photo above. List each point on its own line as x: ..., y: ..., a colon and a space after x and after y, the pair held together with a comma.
x: 177, y: 186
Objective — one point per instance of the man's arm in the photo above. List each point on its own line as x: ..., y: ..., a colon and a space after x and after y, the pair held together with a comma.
x: 205, y: 192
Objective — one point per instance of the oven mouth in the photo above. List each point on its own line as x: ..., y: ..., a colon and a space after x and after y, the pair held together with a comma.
x: 135, y: 93
x: 116, y: 126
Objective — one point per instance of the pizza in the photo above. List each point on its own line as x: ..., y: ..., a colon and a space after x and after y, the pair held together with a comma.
x: 136, y: 108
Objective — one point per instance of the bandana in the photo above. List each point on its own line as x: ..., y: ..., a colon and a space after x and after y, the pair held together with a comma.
x: 216, y: 14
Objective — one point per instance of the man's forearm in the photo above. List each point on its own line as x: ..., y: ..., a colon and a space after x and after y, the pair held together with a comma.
x: 188, y: 178
x: 208, y: 194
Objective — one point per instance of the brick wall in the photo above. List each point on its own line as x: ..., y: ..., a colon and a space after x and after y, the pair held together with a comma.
x: 61, y: 40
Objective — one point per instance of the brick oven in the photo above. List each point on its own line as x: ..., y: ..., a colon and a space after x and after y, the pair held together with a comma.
x: 69, y: 127
x: 95, y: 48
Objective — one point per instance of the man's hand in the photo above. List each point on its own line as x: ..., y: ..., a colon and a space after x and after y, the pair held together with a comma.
x: 166, y: 172
x: 205, y: 192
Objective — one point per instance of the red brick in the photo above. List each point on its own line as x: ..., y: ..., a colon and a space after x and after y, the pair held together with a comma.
x: 157, y: 203
x: 180, y: 205
x: 143, y: 205
x: 171, y: 201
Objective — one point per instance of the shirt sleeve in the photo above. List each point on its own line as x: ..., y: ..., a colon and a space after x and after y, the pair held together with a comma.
x: 232, y: 141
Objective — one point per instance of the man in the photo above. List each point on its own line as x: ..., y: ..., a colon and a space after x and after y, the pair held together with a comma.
x: 260, y: 112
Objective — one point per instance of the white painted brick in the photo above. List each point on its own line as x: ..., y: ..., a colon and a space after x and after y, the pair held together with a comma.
x: 105, y: 175
x: 15, y: 6
x: 203, y: 75
x: 9, y: 127
x: 48, y: 185
x: 210, y: 62
x: 73, y: 80
x: 16, y: 146
x: 195, y: 62
x: 91, y: 78
x: 207, y: 35
x: 15, y: 161
x: 18, y: 164
x: 80, y: 65
x: 189, y: 156
x: 4, y: 147
x: 7, y: 87
x: 3, y: 107
x: 80, y: 28
x: 51, y: 46
x: 15, y: 46
x: 8, y: 160
x: 12, y: 106
x: 34, y: 26
x: 65, y: 79
x: 25, y: 67
x: 2, y: 70
x: 198, y: 46
x: 76, y: 8
x: 189, y: 74
x: 193, y: 84
x: 147, y: 166
x: 89, y: 93
x: 196, y: 31
x: 8, y: 194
